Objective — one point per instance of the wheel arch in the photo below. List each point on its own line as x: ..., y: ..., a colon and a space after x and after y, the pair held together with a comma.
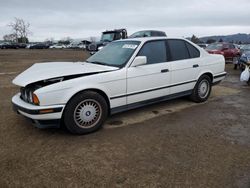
x: 99, y: 91
x: 208, y: 73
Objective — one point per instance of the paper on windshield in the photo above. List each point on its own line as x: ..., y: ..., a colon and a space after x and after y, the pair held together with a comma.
x: 130, y: 46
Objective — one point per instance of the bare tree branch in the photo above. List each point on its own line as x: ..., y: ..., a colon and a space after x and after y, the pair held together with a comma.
x: 20, y: 28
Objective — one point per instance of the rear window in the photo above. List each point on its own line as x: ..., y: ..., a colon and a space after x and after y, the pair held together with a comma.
x: 193, y: 52
x: 178, y: 49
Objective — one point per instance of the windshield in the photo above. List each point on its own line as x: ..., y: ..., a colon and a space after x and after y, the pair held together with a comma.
x: 214, y: 47
x: 115, y: 54
x: 108, y: 37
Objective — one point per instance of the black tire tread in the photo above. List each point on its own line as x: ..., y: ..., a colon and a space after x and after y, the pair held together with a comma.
x: 69, y: 109
x: 194, y: 96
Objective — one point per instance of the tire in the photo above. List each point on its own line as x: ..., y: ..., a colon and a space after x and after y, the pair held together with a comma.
x: 202, y: 89
x: 85, y: 113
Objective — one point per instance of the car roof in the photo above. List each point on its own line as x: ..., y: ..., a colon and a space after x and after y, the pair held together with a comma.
x: 145, y: 39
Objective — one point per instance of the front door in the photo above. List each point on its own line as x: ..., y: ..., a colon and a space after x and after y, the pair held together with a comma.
x: 150, y: 81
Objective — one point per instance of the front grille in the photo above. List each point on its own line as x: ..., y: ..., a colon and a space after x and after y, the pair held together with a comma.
x: 26, y: 94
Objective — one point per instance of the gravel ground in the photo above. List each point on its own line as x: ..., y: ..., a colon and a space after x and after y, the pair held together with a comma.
x: 173, y: 144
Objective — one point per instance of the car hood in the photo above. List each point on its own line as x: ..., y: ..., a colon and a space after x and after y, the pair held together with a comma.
x: 44, y: 71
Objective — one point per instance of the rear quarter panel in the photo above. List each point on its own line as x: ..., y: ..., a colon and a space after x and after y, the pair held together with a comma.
x: 212, y: 63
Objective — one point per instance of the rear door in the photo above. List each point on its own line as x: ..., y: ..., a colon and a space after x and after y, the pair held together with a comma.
x: 185, y: 64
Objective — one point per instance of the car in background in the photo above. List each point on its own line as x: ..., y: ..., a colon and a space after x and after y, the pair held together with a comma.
x: 245, y: 57
x: 202, y: 45
x: 106, y: 38
x: 9, y: 45
x: 228, y: 50
x: 125, y: 74
x: 58, y: 46
x: 79, y: 45
x: 245, y: 48
x: 39, y: 46
x: 148, y: 33
x: 22, y: 45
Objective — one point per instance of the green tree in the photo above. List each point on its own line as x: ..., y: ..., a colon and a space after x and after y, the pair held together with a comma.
x: 195, y: 39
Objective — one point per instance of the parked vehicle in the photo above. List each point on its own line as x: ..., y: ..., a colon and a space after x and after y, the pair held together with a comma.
x: 245, y: 48
x: 80, y: 45
x: 229, y: 51
x: 126, y: 74
x: 21, y: 45
x: 9, y: 45
x: 58, y: 46
x: 107, y: 37
x: 202, y: 45
x: 39, y: 46
x: 148, y: 33
x: 245, y: 57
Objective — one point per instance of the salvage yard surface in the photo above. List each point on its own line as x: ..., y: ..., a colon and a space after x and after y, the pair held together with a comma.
x: 173, y: 144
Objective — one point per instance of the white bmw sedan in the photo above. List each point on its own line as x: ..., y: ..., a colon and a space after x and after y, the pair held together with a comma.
x: 125, y: 74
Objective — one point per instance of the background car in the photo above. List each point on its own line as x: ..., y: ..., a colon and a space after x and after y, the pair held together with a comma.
x: 245, y: 57
x: 228, y: 50
x: 148, y: 33
x: 245, y: 48
x: 9, y: 45
x: 40, y: 46
x: 58, y: 46
x: 202, y: 45
x: 107, y: 37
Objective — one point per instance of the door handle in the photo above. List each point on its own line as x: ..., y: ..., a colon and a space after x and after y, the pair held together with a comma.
x: 164, y: 70
x: 195, y: 66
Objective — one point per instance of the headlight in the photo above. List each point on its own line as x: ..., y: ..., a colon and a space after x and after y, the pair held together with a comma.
x: 243, y: 55
x: 100, y: 47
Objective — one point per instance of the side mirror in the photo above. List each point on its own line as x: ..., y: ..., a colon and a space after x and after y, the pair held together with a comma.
x: 225, y: 48
x: 139, y: 60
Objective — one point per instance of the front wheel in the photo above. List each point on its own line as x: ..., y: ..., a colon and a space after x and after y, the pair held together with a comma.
x: 85, y: 113
x: 202, y: 89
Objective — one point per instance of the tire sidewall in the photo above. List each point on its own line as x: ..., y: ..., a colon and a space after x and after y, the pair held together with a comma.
x: 68, y: 116
x: 195, y: 96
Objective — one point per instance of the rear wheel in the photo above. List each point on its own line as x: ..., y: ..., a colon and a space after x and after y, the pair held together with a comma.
x: 202, y: 89
x: 85, y: 113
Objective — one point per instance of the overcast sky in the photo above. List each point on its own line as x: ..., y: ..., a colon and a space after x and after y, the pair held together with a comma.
x: 84, y: 18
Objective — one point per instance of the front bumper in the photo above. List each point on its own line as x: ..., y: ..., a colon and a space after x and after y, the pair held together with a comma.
x: 42, y: 116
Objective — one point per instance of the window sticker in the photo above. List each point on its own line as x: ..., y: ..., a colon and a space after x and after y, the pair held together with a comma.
x: 130, y: 46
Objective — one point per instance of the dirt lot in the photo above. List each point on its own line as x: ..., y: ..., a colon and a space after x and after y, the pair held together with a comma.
x: 172, y: 144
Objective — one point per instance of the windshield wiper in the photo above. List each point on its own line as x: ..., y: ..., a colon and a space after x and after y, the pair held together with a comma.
x: 97, y: 62
x: 101, y: 63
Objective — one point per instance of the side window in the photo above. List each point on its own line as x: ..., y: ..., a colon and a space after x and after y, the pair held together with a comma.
x: 155, y: 51
x: 118, y: 36
x: 193, y: 52
x: 178, y: 49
